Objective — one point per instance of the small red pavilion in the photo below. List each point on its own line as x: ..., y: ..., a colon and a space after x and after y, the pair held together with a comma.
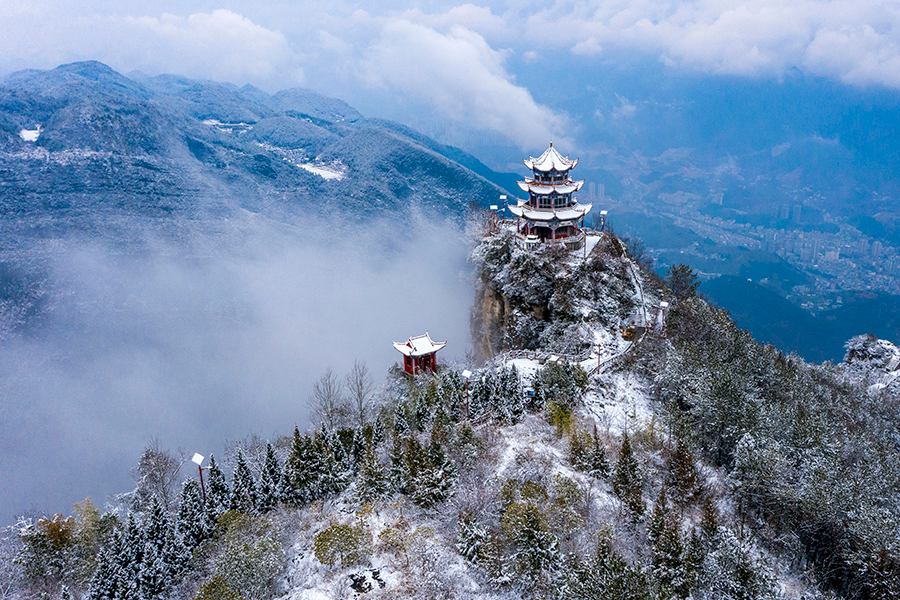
x: 419, y: 353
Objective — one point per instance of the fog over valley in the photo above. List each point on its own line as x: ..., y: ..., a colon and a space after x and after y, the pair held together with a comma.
x: 201, y: 344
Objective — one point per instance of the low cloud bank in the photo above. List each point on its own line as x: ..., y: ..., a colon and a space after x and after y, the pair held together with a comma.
x: 196, y: 350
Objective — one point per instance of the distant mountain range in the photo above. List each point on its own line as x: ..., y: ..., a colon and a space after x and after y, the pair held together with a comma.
x: 82, y: 146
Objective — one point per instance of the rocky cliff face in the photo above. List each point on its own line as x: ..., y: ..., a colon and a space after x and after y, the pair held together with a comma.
x: 542, y: 298
x: 488, y: 321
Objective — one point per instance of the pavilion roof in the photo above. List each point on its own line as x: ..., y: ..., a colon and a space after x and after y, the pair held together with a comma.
x: 570, y: 213
x: 543, y: 189
x: 550, y: 160
x: 419, y: 345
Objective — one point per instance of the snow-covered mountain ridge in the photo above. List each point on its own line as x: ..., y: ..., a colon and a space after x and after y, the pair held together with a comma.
x: 691, y: 463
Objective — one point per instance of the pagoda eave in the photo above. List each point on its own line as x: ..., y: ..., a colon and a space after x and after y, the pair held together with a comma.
x: 568, y: 214
x: 545, y: 189
x: 550, y: 160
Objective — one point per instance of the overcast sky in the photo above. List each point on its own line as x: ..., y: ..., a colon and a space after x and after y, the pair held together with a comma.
x: 457, y: 61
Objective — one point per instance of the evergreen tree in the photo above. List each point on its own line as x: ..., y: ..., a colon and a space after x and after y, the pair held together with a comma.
x: 443, y: 475
x: 164, y: 557
x: 683, y: 477
x: 152, y: 581
x: 371, y: 482
x: 193, y: 522
x: 218, y: 498
x: 480, y: 392
x: 626, y: 481
x: 658, y: 517
x: 730, y: 573
x: 535, y: 549
x: 709, y: 522
x: 514, y: 396
x: 694, y: 555
x: 398, y: 474
x: 269, y: 482
x: 666, y: 553
x: 607, y: 577
x: 471, y: 536
x: 287, y: 494
x: 429, y: 476
x: 312, y: 469
x: 580, y: 450
x: 103, y: 583
x: 599, y: 464
x: 243, y: 495
x: 130, y: 554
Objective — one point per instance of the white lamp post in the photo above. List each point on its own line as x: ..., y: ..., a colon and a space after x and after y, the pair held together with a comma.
x: 198, y: 460
x: 466, y: 375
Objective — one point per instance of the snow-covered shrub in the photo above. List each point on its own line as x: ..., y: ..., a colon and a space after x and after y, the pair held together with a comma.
x: 342, y: 544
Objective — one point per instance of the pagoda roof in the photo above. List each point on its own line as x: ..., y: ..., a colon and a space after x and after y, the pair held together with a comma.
x: 543, y: 189
x: 550, y: 160
x: 419, y: 346
x: 570, y: 213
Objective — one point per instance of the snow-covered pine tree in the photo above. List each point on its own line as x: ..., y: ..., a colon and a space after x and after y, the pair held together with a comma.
x: 683, y: 476
x: 152, y: 582
x: 580, y: 449
x: 535, y: 550
x: 658, y: 517
x: 312, y: 469
x: 164, y: 556
x: 730, y: 572
x: 218, y: 497
x: 103, y: 583
x: 513, y: 396
x: 599, y: 464
x: 626, y: 480
x: 480, y: 392
x: 371, y: 481
x: 131, y: 552
x: 694, y: 554
x: 397, y: 476
x: 443, y: 476
x: 415, y: 461
x: 192, y: 522
x: 607, y: 577
x: 269, y: 481
x: 243, y: 494
x: 666, y: 552
x: 471, y: 536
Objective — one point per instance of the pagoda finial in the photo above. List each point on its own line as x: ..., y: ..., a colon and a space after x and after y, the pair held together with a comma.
x: 551, y: 143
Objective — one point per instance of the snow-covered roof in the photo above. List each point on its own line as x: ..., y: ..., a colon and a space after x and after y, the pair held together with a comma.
x: 419, y: 345
x: 570, y: 213
x: 543, y: 189
x: 550, y: 160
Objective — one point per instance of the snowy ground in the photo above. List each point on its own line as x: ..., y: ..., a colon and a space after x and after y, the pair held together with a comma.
x: 30, y: 135
x: 323, y: 171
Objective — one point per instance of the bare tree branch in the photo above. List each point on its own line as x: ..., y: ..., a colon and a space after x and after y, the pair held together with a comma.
x: 328, y: 404
x: 359, y: 388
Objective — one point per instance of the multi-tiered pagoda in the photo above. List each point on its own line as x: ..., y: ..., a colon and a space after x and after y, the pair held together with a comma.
x: 551, y: 213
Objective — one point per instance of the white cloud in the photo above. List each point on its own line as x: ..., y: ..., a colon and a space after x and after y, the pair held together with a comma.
x: 463, y: 78
x: 855, y: 42
x: 221, y: 45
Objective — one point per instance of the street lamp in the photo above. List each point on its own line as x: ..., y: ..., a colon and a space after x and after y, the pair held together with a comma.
x: 466, y: 375
x: 198, y: 460
x: 603, y: 214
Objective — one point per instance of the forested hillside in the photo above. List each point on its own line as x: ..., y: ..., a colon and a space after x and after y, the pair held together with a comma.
x: 691, y: 462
